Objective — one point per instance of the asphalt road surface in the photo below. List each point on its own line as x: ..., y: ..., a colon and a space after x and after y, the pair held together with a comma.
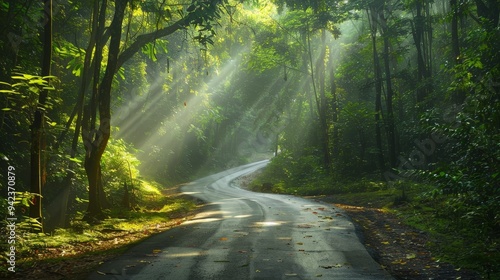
x: 246, y: 235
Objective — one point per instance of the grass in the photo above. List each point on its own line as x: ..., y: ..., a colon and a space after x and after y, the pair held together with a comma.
x: 115, y: 234
x: 463, y: 243
x: 119, y: 221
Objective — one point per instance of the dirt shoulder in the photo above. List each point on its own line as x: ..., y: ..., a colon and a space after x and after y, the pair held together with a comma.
x: 401, y: 249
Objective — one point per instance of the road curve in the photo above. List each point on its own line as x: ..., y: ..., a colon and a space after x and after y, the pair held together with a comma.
x: 246, y: 235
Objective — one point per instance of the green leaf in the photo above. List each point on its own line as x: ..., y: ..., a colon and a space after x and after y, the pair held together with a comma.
x: 121, y: 73
x: 6, y: 109
x: 8, y: 91
x: 38, y: 82
x: 75, y: 160
x: 19, y: 78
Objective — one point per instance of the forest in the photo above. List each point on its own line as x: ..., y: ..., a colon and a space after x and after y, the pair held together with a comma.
x: 107, y: 104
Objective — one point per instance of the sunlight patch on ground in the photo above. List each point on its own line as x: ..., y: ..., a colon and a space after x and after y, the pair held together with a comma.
x: 242, y: 216
x: 338, y: 228
x: 179, y: 252
x: 190, y: 193
x: 269, y: 223
x: 203, y: 220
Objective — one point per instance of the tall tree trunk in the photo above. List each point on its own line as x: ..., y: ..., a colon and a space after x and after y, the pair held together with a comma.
x: 390, y: 126
x: 418, y: 39
x: 455, y: 46
x: 372, y: 15
x: 306, y: 68
x: 96, y: 144
x: 459, y: 96
x: 335, y: 114
x: 37, y: 142
x: 322, y: 110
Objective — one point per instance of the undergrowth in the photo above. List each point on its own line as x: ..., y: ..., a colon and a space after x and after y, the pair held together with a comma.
x: 118, y: 220
x: 121, y: 228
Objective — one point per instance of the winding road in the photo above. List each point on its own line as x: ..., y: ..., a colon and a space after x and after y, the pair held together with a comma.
x: 246, y: 235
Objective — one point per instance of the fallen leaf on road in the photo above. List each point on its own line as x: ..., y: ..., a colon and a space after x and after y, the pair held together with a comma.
x: 331, y: 266
x: 411, y: 256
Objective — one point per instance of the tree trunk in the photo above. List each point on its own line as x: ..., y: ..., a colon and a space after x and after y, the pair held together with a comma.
x: 335, y: 114
x: 390, y: 126
x: 418, y: 39
x: 455, y: 46
x: 372, y: 14
x: 322, y: 110
x: 37, y: 142
x: 94, y: 210
x: 459, y: 96
x: 96, y: 141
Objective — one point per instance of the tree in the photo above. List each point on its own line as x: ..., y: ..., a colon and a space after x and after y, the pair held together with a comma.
x: 200, y: 14
x: 422, y: 38
x: 373, y: 13
x: 37, y: 136
x: 390, y: 121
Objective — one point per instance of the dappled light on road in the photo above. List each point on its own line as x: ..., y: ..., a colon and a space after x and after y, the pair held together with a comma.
x: 240, y: 234
x: 269, y: 224
x: 202, y: 220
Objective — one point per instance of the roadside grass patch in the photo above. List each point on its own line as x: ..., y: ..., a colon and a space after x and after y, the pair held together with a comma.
x: 122, y: 226
x: 457, y: 239
x: 454, y: 238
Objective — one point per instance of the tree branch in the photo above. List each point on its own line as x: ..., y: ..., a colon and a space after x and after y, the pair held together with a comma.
x: 143, y: 39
